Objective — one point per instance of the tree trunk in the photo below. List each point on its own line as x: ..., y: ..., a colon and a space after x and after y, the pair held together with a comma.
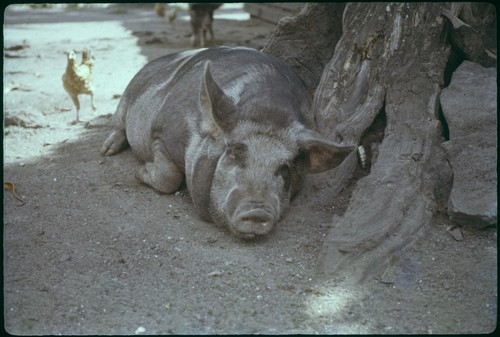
x: 307, y: 41
x: 390, y: 58
x: 388, y: 68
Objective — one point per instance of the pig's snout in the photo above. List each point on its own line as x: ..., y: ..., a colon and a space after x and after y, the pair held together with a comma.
x: 253, y: 219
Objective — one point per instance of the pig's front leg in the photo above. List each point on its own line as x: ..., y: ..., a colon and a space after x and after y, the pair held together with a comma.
x: 161, y: 174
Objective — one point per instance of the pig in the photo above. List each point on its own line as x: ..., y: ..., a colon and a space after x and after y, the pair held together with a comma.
x: 231, y: 122
x: 201, y: 16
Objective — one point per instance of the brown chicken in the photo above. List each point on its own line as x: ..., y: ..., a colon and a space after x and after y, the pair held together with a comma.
x: 161, y: 11
x: 77, y: 79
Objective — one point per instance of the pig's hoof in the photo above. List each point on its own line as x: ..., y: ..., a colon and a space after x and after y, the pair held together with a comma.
x: 114, y: 143
x: 159, y: 179
x: 143, y: 176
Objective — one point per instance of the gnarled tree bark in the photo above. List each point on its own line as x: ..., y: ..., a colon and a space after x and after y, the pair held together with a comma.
x: 390, y: 60
x: 390, y: 56
x: 307, y: 40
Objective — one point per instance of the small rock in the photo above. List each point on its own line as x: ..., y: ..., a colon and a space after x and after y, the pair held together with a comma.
x: 140, y: 330
x: 215, y: 273
x: 65, y: 257
x: 289, y: 259
x: 455, y: 232
x: 211, y: 240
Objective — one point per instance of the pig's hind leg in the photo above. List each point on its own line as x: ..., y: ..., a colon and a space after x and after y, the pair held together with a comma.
x: 161, y: 174
x: 117, y: 140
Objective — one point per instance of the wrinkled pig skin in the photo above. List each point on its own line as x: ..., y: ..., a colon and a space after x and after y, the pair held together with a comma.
x: 230, y: 121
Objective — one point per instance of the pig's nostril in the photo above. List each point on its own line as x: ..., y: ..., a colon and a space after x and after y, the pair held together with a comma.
x: 256, y: 221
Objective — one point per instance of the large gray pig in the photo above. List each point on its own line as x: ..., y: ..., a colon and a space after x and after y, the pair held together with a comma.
x: 231, y: 121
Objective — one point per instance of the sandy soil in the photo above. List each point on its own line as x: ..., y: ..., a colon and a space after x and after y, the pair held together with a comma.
x: 92, y: 251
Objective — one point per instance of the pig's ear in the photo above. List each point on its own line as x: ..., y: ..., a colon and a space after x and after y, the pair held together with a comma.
x: 217, y: 108
x: 318, y: 154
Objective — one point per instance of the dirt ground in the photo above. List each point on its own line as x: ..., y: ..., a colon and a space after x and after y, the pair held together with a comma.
x: 92, y: 251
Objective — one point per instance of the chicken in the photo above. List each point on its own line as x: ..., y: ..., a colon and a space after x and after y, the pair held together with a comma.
x: 172, y: 15
x: 162, y: 11
x: 77, y: 79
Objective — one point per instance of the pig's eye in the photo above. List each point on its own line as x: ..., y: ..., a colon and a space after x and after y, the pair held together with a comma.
x: 285, y: 173
x: 237, y: 152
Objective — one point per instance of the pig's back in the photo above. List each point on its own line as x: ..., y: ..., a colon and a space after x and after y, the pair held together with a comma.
x: 164, y: 95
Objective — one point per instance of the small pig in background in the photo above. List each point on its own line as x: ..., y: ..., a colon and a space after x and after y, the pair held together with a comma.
x: 232, y: 123
x: 201, y: 23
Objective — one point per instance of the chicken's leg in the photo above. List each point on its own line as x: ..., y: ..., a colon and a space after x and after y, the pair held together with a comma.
x: 75, y: 100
